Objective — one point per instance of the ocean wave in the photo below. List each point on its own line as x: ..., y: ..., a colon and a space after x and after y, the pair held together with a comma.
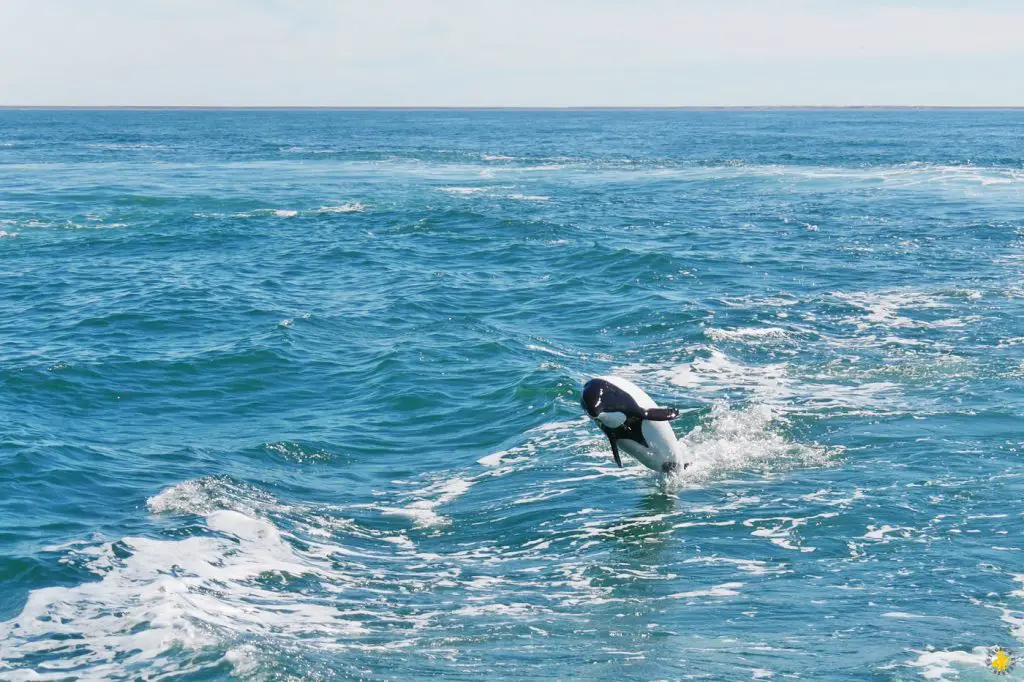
x: 912, y: 175
x: 292, y: 578
x: 545, y: 435
x: 423, y: 508
x: 218, y: 588
x: 750, y: 334
x: 308, y: 150
x: 529, y: 197
x: 92, y: 223
x: 348, y: 207
x: 946, y: 665
x: 154, y: 597
x: 202, y: 483
x: 121, y: 146
x: 964, y: 178
x: 266, y: 212
x: 906, y: 175
x: 207, y: 495
x: 351, y: 207
x: 723, y: 590
x: 899, y: 176
x: 883, y: 308
x: 301, y: 452
x: 465, y: 190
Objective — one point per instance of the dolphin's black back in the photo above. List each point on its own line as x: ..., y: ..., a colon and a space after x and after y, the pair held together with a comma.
x: 600, y: 395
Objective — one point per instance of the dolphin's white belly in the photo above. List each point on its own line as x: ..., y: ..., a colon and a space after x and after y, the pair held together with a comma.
x: 662, y: 446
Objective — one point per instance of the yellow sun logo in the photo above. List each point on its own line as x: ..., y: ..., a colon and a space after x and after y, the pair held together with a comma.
x: 1000, y: 661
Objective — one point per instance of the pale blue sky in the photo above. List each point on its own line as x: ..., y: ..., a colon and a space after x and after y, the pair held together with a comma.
x: 511, y: 52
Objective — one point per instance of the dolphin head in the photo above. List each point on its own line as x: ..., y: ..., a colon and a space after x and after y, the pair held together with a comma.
x: 593, y: 391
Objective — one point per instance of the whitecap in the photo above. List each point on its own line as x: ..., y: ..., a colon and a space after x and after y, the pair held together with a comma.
x: 206, y: 495
x: 752, y: 566
x: 464, y: 190
x: 782, y: 531
x: 529, y: 197
x: 902, y: 615
x: 537, y: 438
x: 153, y: 596
x: 943, y: 665
x: 353, y: 207
x: 265, y: 212
x: 723, y: 590
x: 886, y: 533
x: 947, y: 664
x: 545, y: 349
x: 422, y: 509
x: 884, y: 308
x: 746, y: 334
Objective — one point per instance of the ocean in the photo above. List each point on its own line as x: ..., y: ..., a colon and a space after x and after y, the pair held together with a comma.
x: 294, y: 394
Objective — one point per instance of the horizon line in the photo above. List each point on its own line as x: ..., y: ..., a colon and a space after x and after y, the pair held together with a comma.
x: 667, y: 107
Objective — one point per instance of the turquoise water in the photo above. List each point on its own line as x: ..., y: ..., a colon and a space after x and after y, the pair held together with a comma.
x: 294, y: 394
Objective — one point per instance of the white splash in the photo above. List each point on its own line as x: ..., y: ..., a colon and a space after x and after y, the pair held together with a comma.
x: 733, y: 440
x: 716, y: 375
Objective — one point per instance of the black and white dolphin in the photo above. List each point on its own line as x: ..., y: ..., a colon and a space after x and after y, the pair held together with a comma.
x: 633, y: 422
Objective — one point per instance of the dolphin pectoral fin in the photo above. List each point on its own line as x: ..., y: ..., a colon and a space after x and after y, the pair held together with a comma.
x: 615, y: 451
x: 667, y: 414
x: 661, y: 414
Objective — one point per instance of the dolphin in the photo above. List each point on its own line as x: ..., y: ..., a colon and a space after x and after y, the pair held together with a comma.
x: 633, y: 422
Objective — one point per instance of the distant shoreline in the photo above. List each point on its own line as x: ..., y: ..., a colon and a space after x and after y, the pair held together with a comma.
x: 786, y: 107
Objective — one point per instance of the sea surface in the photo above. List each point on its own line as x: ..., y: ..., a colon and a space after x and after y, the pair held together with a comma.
x: 294, y: 395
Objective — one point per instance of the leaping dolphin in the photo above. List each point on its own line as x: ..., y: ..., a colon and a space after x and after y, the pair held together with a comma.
x: 633, y: 422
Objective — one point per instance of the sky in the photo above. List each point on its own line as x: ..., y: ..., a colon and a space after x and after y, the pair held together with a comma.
x: 511, y: 52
